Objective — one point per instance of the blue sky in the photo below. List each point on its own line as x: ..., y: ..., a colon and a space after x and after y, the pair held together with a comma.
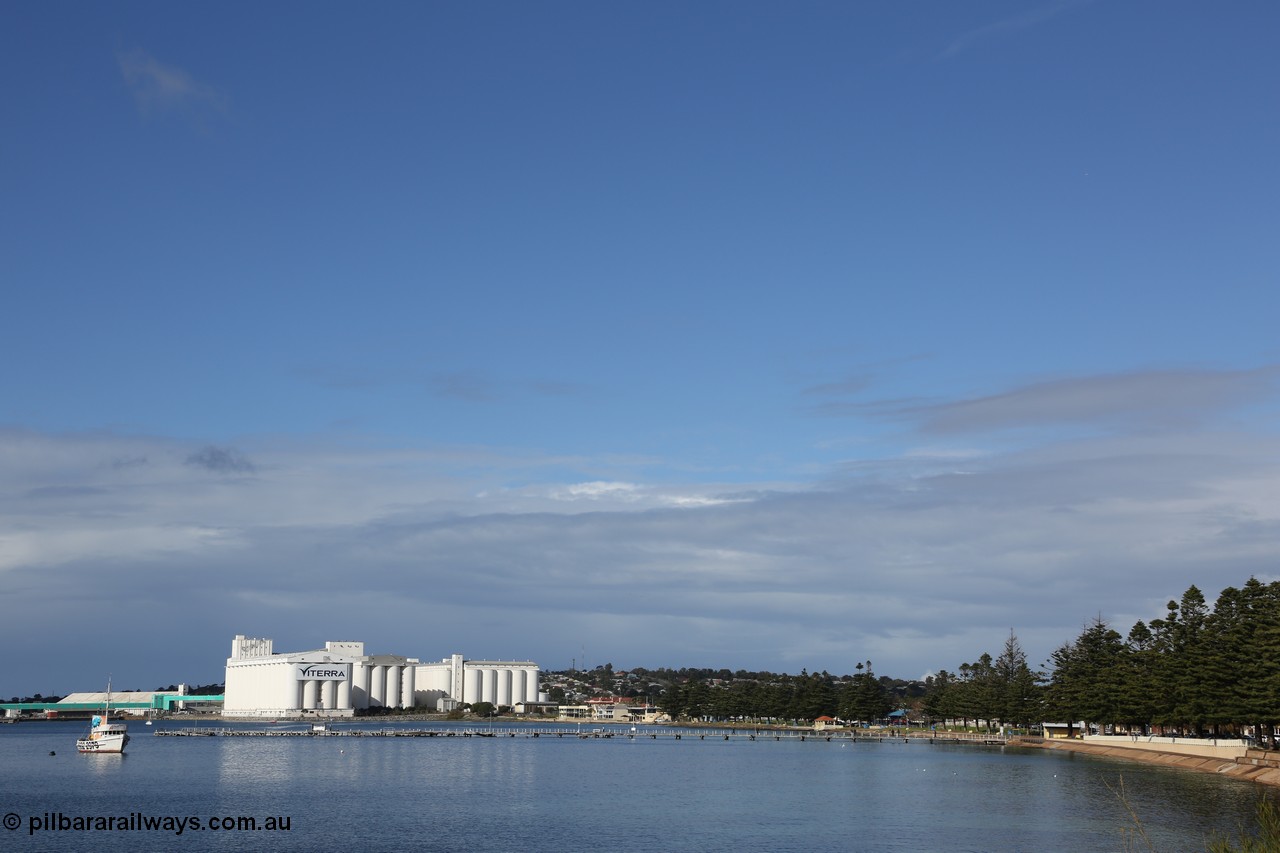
x: 717, y: 334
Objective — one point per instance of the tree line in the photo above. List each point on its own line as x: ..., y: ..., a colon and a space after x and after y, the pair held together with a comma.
x: 770, y: 697
x: 1005, y: 690
x: 1198, y: 670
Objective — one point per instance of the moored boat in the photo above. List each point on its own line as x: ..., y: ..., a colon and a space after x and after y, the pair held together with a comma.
x: 104, y: 735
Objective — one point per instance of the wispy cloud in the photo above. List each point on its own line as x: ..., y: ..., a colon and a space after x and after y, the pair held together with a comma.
x: 1007, y: 26
x: 1138, y: 399
x: 602, y: 494
x: 847, y: 395
x: 1142, y: 399
x: 220, y: 460
x: 158, y: 87
x: 849, y: 385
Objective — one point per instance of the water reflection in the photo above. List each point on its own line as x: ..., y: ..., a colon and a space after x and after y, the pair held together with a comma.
x: 257, y: 761
x: 102, y: 765
x: 425, y: 763
x: 509, y: 793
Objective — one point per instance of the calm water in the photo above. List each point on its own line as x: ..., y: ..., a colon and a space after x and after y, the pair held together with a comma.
x: 566, y: 794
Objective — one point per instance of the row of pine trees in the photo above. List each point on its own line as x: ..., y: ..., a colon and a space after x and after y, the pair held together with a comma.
x: 1197, y: 671
x: 807, y: 696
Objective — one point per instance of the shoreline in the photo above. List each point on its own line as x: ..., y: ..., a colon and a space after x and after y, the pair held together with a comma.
x: 1256, y: 766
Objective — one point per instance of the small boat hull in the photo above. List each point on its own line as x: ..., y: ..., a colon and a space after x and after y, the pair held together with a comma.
x: 104, y: 736
x: 103, y: 742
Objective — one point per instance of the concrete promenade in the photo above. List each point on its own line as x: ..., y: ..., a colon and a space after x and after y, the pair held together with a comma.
x: 1229, y: 758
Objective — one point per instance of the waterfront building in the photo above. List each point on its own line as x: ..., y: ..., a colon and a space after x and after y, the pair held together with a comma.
x: 340, y: 679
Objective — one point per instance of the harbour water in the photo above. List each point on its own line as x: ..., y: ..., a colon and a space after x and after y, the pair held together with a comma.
x: 570, y: 794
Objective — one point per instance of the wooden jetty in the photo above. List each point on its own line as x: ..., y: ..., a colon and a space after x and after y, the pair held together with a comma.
x: 648, y: 733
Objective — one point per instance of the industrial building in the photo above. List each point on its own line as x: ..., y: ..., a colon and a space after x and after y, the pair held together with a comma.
x: 147, y: 703
x: 340, y: 679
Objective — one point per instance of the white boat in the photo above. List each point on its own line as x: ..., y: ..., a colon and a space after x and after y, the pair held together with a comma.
x: 104, y: 735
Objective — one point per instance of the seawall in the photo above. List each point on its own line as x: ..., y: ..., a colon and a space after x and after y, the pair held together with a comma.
x: 1252, y: 765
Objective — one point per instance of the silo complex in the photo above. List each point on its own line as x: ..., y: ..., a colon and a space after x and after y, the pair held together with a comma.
x: 340, y: 679
x: 469, y: 681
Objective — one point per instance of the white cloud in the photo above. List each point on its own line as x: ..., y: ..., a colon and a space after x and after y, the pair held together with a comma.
x: 904, y: 562
x: 597, y: 489
x: 158, y: 87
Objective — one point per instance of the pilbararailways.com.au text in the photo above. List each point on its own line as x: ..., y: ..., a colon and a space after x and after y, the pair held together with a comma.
x: 139, y: 822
